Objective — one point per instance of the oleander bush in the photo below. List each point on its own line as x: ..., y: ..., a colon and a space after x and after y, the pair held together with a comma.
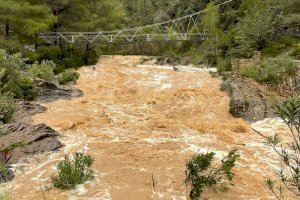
x: 73, y: 170
x: 203, y: 171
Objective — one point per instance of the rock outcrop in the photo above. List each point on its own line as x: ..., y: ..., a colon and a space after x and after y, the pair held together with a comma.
x: 20, y: 138
x: 49, y: 92
x: 247, y: 100
x: 25, y: 139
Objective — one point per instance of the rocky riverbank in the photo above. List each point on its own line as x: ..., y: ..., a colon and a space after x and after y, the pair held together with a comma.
x: 21, y: 138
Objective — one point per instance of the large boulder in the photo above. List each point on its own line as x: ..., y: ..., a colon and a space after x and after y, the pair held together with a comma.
x: 247, y: 100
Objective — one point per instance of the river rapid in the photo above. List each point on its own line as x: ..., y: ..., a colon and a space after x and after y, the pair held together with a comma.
x: 141, y: 123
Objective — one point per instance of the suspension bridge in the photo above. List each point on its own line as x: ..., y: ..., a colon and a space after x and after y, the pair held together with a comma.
x: 184, y: 28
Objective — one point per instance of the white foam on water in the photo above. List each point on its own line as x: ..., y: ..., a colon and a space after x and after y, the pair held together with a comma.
x: 184, y: 68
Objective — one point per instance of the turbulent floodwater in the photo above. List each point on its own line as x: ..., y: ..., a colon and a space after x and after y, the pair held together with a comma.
x: 141, y: 124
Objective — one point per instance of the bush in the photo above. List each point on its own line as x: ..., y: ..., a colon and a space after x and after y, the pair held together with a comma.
x: 68, y: 76
x: 27, y: 89
x: 200, y: 172
x: 43, y: 70
x: 252, y: 71
x: 73, y: 171
x: 285, y: 44
x: 7, y: 109
x: 224, y: 67
x: 12, y: 80
x: 271, y: 71
x: 64, y: 58
x: 289, y: 176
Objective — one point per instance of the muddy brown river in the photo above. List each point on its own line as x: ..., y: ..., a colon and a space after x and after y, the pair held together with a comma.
x: 141, y: 123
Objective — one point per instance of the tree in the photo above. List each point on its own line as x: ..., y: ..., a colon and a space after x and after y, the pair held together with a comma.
x: 254, y: 28
x: 23, y: 19
x: 211, y: 23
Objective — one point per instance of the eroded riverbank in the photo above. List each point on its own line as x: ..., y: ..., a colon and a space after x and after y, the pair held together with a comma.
x: 141, y: 124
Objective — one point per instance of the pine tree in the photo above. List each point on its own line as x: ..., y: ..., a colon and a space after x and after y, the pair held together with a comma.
x: 254, y: 28
x: 24, y: 20
x: 210, y: 23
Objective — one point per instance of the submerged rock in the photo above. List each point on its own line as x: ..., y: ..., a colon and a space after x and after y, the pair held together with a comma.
x: 247, y: 101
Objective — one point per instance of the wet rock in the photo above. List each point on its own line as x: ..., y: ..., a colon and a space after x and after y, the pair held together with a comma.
x: 26, y: 109
x: 247, y: 100
x: 49, y: 92
x: 164, y: 61
x: 26, y: 139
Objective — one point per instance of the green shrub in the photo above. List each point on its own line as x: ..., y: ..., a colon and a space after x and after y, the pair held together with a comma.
x: 43, y: 70
x: 68, y: 76
x: 278, y: 47
x: 12, y: 80
x: 27, y: 89
x: 224, y: 67
x: 7, y: 109
x: 201, y: 173
x: 73, y: 171
x: 271, y: 71
x: 64, y: 58
x: 252, y: 71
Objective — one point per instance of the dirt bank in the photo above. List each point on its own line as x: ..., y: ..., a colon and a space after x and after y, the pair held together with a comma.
x: 141, y: 124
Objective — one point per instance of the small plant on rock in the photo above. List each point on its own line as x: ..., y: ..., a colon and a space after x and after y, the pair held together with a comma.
x: 73, y: 171
x: 202, y: 172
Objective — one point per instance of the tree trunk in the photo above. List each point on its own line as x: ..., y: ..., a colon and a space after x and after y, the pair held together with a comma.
x: 7, y: 30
